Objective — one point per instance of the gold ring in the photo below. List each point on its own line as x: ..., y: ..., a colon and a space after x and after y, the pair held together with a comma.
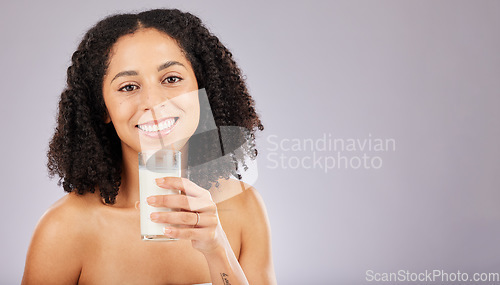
x: 197, y: 219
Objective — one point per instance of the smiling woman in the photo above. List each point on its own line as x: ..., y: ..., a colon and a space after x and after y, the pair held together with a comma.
x: 125, y: 66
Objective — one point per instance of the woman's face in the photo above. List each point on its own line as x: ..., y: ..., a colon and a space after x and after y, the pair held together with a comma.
x: 147, y: 70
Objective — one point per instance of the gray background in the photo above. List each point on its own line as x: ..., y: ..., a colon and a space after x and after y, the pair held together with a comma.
x: 424, y: 73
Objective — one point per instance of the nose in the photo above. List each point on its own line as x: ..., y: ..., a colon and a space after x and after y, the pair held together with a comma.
x: 153, y: 96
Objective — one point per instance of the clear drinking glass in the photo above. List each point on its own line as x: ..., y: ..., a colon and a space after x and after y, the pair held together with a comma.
x: 152, y: 165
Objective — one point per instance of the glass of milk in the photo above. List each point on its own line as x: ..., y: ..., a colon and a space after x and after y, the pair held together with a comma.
x: 152, y: 165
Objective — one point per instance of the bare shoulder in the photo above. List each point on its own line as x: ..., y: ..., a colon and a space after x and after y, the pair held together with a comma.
x: 253, y: 209
x: 245, y: 198
x: 68, y: 213
x: 57, y: 245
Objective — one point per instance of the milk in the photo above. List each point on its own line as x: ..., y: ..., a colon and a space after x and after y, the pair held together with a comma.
x: 148, y: 187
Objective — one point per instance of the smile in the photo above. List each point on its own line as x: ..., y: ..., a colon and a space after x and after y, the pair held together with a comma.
x: 163, y: 127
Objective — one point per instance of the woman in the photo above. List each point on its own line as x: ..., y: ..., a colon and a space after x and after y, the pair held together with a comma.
x: 124, y: 66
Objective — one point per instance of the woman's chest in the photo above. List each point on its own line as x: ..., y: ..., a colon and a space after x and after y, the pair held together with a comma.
x: 117, y: 255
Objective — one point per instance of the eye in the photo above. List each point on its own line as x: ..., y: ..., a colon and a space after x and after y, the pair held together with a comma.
x: 173, y: 79
x: 128, y: 88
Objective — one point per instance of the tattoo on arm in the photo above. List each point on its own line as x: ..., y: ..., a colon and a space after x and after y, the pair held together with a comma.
x: 224, y: 278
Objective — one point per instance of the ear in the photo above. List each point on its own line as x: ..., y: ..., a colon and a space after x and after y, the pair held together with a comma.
x: 107, y: 118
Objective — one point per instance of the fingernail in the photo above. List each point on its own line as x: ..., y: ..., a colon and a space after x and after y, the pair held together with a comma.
x: 151, y: 200
x: 167, y: 231
x: 154, y: 216
x: 159, y: 180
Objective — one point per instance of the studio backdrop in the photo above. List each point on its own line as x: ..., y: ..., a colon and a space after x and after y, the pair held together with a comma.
x: 380, y: 153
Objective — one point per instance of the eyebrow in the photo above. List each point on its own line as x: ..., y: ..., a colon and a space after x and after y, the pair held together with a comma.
x: 160, y: 68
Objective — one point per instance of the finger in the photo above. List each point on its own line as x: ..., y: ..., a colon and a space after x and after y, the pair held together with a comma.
x: 189, y: 233
x: 183, y: 184
x: 185, y: 218
x: 182, y: 202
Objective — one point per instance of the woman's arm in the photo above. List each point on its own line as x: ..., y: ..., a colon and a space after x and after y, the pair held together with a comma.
x: 53, y: 255
x: 255, y: 256
x: 224, y: 267
x: 209, y: 238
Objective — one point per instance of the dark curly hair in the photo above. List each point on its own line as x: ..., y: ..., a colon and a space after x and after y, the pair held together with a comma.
x: 85, y: 152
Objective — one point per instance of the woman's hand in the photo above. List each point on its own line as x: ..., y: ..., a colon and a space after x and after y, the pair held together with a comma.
x: 197, y: 219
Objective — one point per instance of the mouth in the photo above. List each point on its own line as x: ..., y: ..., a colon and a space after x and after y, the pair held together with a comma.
x: 158, y: 128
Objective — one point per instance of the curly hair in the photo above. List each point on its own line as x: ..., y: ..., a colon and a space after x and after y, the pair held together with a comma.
x: 85, y: 151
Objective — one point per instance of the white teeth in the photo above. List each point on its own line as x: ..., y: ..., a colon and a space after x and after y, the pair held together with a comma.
x: 160, y: 127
